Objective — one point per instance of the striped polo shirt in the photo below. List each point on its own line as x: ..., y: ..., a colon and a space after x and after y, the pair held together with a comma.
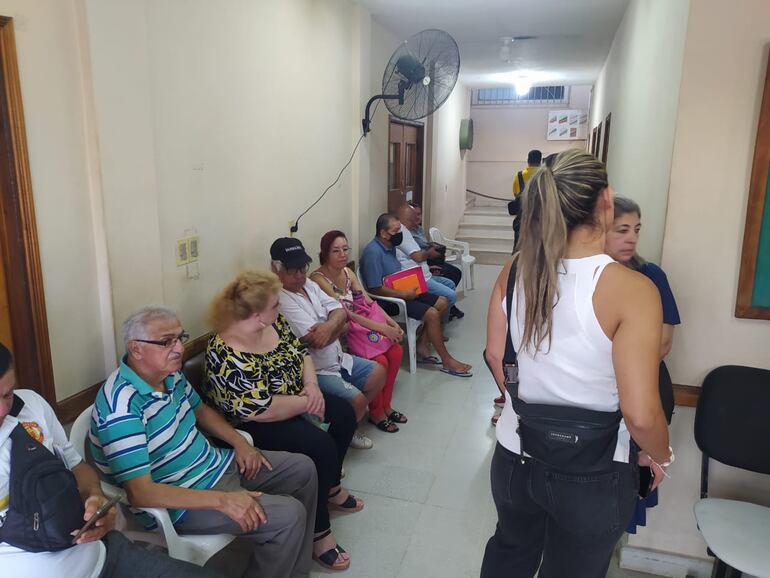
x: 136, y: 430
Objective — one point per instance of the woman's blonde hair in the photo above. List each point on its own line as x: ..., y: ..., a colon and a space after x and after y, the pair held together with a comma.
x: 558, y: 198
x: 245, y: 295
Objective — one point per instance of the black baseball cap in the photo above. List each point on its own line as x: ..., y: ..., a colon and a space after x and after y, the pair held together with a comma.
x: 290, y: 252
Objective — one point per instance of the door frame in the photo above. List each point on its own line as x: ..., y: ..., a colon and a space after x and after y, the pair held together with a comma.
x: 18, y: 232
x: 420, y: 153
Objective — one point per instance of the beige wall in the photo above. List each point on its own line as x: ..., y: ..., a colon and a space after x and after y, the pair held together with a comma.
x: 56, y: 90
x: 222, y: 123
x: 703, y: 236
x: 446, y: 164
x: 503, y: 135
x: 639, y: 85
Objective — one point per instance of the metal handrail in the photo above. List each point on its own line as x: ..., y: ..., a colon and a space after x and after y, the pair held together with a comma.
x: 486, y: 196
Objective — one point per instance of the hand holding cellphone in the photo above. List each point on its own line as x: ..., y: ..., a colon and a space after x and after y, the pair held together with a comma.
x: 100, y: 513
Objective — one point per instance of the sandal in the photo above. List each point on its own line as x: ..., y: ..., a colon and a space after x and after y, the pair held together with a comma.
x: 428, y: 360
x: 329, y: 558
x: 397, y: 417
x: 385, y: 425
x: 350, y: 505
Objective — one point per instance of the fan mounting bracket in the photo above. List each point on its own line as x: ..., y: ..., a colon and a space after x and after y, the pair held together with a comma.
x: 367, y: 121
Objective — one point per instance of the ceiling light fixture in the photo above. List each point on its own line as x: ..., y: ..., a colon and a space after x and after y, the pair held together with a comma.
x: 522, y: 85
x: 505, y: 49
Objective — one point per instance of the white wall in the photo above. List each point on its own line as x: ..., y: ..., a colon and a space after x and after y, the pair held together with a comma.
x: 447, y: 180
x: 703, y: 237
x: 226, y: 123
x: 55, y: 91
x: 639, y: 85
x: 503, y: 135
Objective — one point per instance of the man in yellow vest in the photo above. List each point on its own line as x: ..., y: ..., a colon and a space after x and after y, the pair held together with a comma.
x: 534, y: 158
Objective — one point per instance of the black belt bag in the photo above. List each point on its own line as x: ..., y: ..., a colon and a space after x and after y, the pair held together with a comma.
x: 571, y: 439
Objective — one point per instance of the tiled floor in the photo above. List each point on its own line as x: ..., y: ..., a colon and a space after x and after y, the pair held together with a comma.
x: 428, y: 510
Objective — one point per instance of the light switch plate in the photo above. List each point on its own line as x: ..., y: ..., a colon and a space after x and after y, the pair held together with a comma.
x: 193, y: 243
x: 182, y: 252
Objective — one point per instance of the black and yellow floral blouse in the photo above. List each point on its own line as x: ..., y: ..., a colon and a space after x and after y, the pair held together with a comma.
x: 242, y: 384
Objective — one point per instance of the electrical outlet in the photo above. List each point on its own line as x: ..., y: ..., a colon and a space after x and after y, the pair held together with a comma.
x: 193, y: 248
x: 182, y: 252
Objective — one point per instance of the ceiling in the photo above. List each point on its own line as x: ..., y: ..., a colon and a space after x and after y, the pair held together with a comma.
x: 572, y: 40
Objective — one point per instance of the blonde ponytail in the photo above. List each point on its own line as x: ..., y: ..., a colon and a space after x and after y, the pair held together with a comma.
x: 555, y: 200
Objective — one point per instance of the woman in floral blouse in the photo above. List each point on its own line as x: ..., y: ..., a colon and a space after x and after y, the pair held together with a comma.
x: 262, y: 378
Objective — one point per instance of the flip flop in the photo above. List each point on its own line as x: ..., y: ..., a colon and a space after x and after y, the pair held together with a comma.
x: 397, y: 417
x: 428, y: 360
x: 454, y: 373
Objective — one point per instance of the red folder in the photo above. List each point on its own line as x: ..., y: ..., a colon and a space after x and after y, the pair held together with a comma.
x: 407, y: 279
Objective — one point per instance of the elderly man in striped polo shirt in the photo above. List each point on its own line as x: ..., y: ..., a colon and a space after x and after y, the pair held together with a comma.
x: 145, y: 437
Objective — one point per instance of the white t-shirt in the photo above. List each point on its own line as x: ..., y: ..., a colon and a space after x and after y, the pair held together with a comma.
x: 82, y: 561
x: 302, y: 313
x: 405, y: 249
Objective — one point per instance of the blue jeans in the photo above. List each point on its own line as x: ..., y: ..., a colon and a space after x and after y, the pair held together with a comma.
x: 565, y: 523
x: 347, y: 385
x: 443, y: 287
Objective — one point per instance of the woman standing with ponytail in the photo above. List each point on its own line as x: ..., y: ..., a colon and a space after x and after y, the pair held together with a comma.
x: 587, y: 334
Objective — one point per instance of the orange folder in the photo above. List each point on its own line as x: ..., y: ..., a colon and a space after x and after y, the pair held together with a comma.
x: 407, y: 279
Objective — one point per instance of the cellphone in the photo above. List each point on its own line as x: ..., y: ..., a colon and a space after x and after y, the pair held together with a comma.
x: 97, y: 515
x: 646, y: 479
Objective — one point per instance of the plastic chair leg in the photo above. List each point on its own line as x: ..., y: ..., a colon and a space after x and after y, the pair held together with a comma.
x: 411, y: 337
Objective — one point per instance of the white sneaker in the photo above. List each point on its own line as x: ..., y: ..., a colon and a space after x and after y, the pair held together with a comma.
x: 361, y: 442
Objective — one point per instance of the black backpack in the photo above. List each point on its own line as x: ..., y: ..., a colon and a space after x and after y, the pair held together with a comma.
x: 44, y: 502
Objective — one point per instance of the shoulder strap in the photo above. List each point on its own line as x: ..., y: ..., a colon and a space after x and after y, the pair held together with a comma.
x: 18, y: 403
x: 510, y: 350
x: 520, y: 176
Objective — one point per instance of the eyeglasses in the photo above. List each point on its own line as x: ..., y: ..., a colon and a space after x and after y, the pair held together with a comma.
x: 294, y: 270
x: 168, y: 342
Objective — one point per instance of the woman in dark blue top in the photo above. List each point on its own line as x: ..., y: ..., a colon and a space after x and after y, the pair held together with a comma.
x: 621, y: 246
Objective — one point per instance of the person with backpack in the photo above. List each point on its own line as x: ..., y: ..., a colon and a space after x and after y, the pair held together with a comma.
x: 36, y: 535
x: 574, y: 337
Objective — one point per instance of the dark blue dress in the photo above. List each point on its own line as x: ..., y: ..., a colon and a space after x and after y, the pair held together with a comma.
x: 670, y: 317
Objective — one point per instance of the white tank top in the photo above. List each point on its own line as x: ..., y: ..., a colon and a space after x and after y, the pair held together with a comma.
x: 577, y: 369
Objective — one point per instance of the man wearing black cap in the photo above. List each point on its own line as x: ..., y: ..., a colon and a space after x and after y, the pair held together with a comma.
x: 319, y: 320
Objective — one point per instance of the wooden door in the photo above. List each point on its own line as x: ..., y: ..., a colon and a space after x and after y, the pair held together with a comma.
x: 405, y: 148
x: 5, y: 312
x: 22, y: 290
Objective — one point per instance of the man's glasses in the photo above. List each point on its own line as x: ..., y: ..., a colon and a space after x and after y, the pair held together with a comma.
x: 168, y: 342
x: 294, y: 270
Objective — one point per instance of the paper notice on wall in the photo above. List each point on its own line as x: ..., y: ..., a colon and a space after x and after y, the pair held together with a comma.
x: 409, y: 196
x: 567, y: 125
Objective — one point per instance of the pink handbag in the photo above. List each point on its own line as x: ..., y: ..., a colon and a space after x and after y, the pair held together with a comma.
x: 363, y: 341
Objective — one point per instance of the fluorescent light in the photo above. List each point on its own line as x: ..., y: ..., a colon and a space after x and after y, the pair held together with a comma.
x: 523, y: 78
x: 522, y: 85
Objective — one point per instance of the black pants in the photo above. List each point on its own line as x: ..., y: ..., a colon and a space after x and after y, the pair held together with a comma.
x: 326, y: 449
x: 567, y: 524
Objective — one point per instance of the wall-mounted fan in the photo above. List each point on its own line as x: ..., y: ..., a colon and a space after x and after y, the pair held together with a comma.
x: 419, y: 77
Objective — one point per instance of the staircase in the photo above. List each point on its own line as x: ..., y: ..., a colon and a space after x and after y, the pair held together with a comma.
x: 488, y: 230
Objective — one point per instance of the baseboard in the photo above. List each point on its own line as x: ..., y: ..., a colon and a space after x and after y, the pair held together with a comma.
x: 71, y: 407
x: 663, y: 563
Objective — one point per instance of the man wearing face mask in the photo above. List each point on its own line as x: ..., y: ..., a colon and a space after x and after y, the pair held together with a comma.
x: 378, y: 260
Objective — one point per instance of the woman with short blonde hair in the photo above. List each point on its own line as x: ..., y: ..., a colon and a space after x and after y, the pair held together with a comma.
x: 261, y: 377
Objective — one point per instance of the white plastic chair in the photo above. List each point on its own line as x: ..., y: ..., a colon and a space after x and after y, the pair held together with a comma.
x: 191, y: 548
x: 412, y: 325
x: 461, y: 255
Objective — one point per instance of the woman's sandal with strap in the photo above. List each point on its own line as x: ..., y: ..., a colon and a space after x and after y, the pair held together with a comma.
x: 329, y: 558
x: 397, y: 417
x: 350, y: 505
x: 385, y: 425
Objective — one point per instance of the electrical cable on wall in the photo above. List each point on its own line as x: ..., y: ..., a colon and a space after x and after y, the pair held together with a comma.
x: 419, y: 77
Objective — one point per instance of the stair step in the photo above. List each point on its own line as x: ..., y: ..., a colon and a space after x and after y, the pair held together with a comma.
x: 486, y: 230
x: 500, y: 211
x: 492, y: 257
x: 477, y: 220
x: 493, y: 245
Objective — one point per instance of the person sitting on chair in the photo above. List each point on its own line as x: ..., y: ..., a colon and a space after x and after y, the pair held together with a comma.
x: 319, y: 321
x: 411, y: 255
x: 339, y: 282
x: 438, y: 266
x: 379, y: 260
x: 146, y: 437
x: 100, y: 551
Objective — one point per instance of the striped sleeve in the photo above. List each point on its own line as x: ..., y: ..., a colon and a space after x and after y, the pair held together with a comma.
x: 123, y: 441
